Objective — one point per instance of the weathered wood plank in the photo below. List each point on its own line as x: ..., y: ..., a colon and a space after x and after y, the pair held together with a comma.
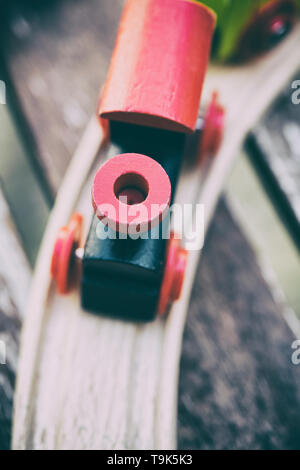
x: 14, y: 283
x: 58, y: 54
x: 238, y: 388
x: 43, y: 44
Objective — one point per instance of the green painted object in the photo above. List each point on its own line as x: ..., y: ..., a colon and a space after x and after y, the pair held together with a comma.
x: 236, y: 16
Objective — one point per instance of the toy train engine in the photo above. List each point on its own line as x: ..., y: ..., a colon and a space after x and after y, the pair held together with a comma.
x: 150, y: 102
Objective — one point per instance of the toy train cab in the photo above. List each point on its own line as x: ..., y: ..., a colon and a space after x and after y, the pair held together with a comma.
x: 132, y: 265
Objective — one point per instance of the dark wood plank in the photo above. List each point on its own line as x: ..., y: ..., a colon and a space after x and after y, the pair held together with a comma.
x: 9, y: 337
x: 238, y: 386
x: 274, y: 149
x: 58, y: 54
x: 14, y: 282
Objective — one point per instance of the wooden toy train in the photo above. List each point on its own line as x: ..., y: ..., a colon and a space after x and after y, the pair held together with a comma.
x: 149, y: 108
x: 88, y: 382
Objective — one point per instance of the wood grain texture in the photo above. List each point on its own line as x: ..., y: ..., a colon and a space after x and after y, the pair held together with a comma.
x: 58, y: 55
x: 58, y: 62
x: 238, y: 388
x: 166, y: 56
x: 14, y: 283
x: 246, y: 98
x: 50, y: 411
x: 274, y: 148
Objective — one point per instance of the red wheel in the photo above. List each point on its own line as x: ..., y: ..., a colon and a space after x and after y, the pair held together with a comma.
x: 173, y: 278
x: 213, y: 129
x: 66, y: 243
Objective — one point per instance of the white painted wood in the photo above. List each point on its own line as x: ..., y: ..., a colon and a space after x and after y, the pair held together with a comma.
x: 87, y: 382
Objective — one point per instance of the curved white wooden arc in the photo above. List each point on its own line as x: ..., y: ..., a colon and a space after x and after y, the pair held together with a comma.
x: 87, y: 382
